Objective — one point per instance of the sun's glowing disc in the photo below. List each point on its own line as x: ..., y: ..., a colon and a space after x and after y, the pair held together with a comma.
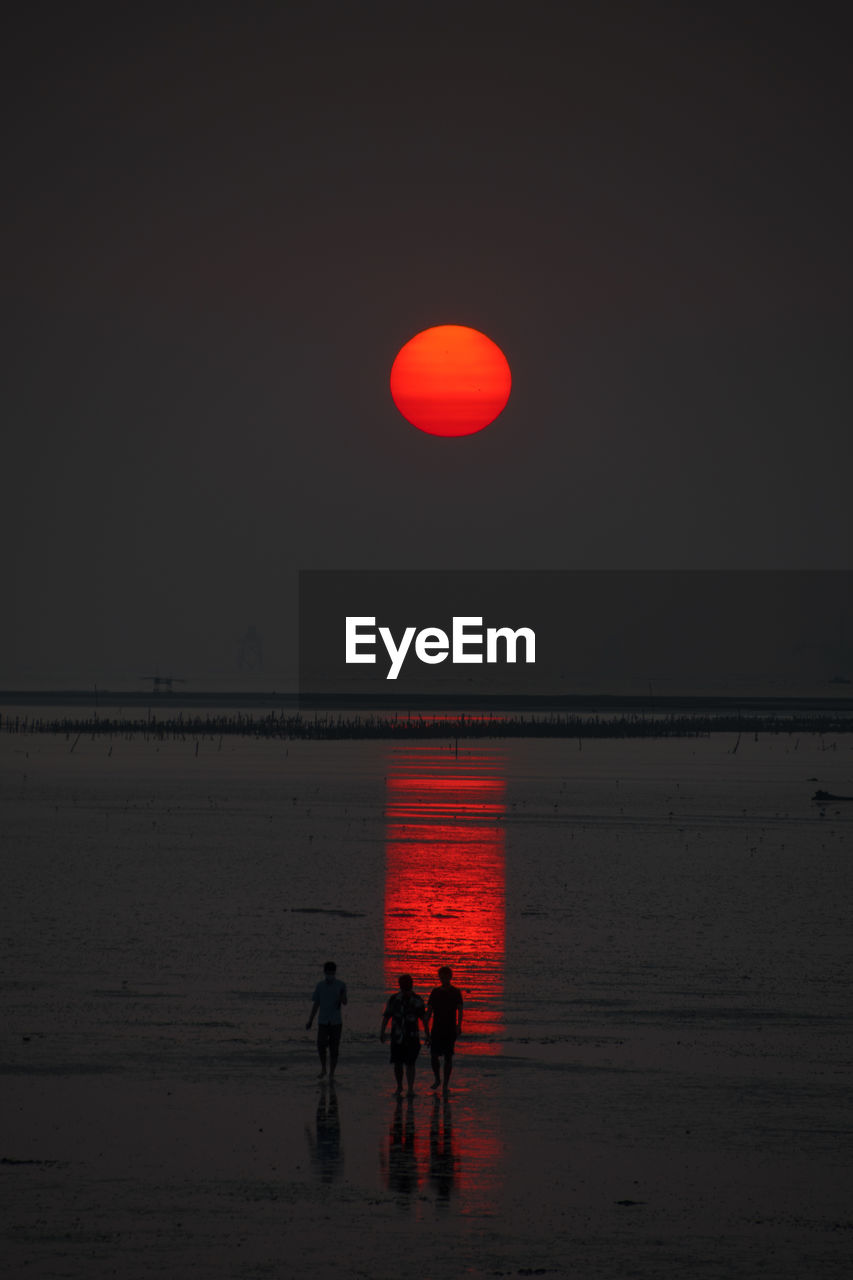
x: 450, y: 380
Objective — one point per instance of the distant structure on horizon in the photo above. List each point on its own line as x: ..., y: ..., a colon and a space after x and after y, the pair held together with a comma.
x: 161, y: 683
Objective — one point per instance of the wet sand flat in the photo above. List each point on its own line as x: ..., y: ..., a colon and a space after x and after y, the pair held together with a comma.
x: 655, y: 1075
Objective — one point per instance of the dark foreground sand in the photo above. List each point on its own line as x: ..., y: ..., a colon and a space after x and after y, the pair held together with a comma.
x: 138, y: 1177
x: 161, y: 1115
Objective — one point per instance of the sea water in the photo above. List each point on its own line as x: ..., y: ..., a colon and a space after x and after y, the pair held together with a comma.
x: 652, y: 941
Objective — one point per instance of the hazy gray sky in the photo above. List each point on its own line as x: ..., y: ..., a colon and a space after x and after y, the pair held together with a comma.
x: 222, y: 224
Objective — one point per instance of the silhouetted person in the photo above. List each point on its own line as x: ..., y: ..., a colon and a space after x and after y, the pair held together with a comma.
x: 404, y: 1010
x: 329, y: 994
x: 444, y: 1008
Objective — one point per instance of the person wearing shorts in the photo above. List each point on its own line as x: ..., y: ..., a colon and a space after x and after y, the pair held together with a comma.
x: 329, y: 994
x: 404, y: 1010
x: 444, y: 1014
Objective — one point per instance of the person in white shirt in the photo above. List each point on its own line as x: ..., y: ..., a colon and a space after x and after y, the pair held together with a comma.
x: 329, y: 995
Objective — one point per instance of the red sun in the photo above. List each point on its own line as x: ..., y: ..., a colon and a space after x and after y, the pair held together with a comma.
x: 450, y: 380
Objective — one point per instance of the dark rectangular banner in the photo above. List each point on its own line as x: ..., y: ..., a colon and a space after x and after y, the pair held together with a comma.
x: 463, y: 634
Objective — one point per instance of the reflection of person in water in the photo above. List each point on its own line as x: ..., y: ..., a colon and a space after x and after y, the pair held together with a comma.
x: 444, y: 1007
x: 442, y: 1158
x: 402, y: 1168
x: 329, y: 995
x: 404, y: 1010
x: 325, y: 1142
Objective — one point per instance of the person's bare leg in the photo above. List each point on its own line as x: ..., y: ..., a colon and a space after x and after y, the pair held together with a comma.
x: 435, y: 1063
x: 410, y: 1077
x: 448, y: 1068
x: 398, y: 1073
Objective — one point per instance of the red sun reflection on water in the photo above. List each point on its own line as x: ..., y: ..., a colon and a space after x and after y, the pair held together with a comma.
x: 445, y: 878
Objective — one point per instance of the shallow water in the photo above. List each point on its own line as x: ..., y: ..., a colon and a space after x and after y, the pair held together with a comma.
x: 653, y: 943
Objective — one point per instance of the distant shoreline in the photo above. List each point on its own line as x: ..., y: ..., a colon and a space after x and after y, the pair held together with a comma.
x: 407, y: 704
x: 321, y: 727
